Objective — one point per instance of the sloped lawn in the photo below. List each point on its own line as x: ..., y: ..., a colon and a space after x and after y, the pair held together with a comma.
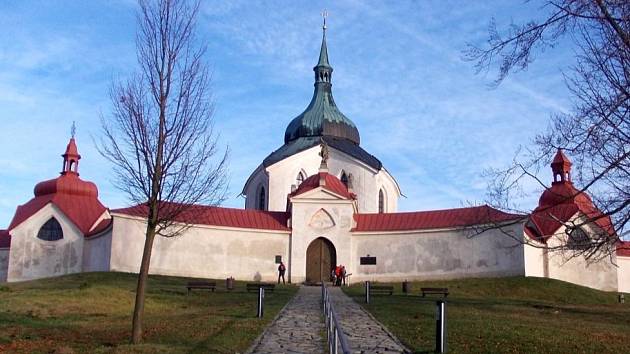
x: 91, y: 313
x: 507, y: 315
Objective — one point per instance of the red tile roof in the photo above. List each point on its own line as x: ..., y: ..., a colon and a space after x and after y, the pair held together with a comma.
x: 433, y: 219
x: 561, y: 159
x: 76, y: 198
x: 558, y: 204
x: 623, y: 249
x: 219, y: 216
x: 5, y: 239
x: 100, y: 227
x: 331, y: 183
x: 83, y: 211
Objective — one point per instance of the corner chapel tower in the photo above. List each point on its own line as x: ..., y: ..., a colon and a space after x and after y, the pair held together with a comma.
x: 321, y: 122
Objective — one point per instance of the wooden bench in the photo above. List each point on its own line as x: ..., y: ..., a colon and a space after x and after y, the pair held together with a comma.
x: 381, y: 289
x: 201, y: 285
x: 255, y: 286
x: 439, y: 291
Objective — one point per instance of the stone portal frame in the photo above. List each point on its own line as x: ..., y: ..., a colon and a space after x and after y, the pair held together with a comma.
x: 321, y: 258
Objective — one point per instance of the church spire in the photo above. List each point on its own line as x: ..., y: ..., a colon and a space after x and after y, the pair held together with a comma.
x: 322, y: 118
x: 323, y: 70
x: 71, y: 157
x: 561, y: 167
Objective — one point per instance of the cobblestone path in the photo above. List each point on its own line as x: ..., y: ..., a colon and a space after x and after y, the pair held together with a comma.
x: 298, y: 328
x: 365, y: 334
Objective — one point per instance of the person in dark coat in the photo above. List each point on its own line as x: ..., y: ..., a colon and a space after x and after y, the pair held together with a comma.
x: 281, y: 270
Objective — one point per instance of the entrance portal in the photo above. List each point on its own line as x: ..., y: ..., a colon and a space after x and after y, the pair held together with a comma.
x: 321, y: 257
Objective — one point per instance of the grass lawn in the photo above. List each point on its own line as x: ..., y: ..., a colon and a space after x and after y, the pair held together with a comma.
x: 515, y: 315
x: 91, y: 313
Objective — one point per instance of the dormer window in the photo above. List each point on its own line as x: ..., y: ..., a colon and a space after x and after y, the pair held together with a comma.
x: 344, y: 178
x: 299, y: 179
x: 381, y: 201
x: 50, y: 231
x: 261, y: 198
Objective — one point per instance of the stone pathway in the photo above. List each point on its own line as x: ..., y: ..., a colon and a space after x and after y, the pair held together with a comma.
x: 298, y: 328
x: 364, y: 333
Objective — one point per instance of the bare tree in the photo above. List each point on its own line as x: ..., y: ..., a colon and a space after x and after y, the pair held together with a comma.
x: 596, y: 134
x: 160, y: 137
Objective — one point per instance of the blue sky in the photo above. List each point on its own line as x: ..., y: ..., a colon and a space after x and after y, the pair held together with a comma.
x: 398, y: 75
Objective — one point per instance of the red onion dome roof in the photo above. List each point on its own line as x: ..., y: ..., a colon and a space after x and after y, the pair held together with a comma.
x: 564, y: 193
x: 76, y: 198
x: 67, y: 184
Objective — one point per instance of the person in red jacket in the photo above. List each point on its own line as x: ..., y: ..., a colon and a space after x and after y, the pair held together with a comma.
x: 338, y: 275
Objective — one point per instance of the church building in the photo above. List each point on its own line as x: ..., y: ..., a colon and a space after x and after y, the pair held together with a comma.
x: 317, y: 201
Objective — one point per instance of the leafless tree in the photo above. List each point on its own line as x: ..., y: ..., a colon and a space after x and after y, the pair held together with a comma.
x: 596, y: 133
x: 160, y: 135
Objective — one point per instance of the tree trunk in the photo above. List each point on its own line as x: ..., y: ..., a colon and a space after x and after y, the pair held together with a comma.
x: 138, y: 311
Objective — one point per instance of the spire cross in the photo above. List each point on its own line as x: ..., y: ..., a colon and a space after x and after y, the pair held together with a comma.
x: 73, y: 130
x: 324, y: 15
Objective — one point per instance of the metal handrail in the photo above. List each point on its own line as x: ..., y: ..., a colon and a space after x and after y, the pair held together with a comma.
x: 335, y: 336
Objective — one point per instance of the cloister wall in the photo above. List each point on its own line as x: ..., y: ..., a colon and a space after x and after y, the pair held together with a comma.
x: 201, y: 251
x: 436, y: 254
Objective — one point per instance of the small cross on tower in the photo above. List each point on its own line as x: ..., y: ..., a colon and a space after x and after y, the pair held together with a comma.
x: 324, y: 15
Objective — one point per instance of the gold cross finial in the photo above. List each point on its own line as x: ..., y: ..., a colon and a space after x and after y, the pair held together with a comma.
x: 73, y: 129
x: 324, y: 15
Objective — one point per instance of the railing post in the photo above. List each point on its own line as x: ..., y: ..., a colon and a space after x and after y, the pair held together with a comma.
x: 336, y: 342
x: 261, y: 296
x: 440, y: 327
x: 335, y: 337
x: 367, y: 292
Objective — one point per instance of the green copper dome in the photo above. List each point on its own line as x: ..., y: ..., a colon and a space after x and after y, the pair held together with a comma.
x: 322, y: 117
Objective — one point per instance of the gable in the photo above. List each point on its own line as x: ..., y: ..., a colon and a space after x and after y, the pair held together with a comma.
x: 321, y: 220
x: 319, y: 193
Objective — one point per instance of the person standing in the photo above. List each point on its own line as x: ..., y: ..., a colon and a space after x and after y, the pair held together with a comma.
x: 281, y: 270
x: 338, y: 275
x: 343, y: 274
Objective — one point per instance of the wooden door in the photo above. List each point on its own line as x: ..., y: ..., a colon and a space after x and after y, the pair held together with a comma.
x: 320, y: 260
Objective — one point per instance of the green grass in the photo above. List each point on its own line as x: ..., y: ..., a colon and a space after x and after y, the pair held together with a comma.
x: 507, y: 315
x: 91, y: 313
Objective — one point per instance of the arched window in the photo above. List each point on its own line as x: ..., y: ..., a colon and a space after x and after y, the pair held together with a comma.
x: 261, y: 198
x: 578, y: 239
x: 344, y: 178
x: 381, y: 201
x: 299, y: 179
x: 50, y: 231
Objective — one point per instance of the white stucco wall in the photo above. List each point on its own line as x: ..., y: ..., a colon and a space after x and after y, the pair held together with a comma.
x: 279, y: 177
x: 32, y: 258
x: 600, y: 275
x: 623, y: 274
x: 437, y: 254
x: 564, y: 264
x: 201, y: 251
x: 97, y: 252
x: 309, y: 220
x: 4, y: 264
x: 534, y: 259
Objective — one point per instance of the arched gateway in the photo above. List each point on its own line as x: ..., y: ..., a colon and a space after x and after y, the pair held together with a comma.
x: 321, y: 257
